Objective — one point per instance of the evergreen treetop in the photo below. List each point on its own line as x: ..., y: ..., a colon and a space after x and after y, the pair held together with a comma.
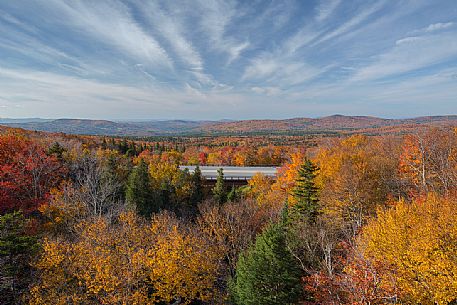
x: 267, y: 273
x: 139, y: 194
x: 219, y: 191
x: 306, y: 193
x: 197, y: 193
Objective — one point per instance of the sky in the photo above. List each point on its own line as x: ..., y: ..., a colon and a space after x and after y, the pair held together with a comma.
x: 209, y: 59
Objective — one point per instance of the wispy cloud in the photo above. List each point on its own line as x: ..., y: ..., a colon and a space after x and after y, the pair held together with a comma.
x: 119, y: 30
x: 224, y: 58
x: 326, y: 8
x: 409, y: 54
x: 266, y: 90
x: 53, y: 95
x: 439, y: 26
x: 301, y: 38
x: 356, y: 20
x: 218, y: 15
x: 281, y: 73
x: 407, y: 40
x: 172, y: 31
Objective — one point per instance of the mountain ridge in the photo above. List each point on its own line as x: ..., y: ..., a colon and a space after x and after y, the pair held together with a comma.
x: 332, y: 123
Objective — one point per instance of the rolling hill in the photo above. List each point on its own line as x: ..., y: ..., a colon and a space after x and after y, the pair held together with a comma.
x: 333, y: 124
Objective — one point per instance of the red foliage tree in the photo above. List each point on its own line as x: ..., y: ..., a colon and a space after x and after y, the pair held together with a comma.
x: 27, y: 173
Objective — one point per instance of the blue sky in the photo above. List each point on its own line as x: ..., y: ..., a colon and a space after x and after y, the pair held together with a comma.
x: 210, y: 59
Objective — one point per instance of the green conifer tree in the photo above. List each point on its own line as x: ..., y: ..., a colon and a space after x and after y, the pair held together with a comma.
x: 57, y: 150
x: 139, y: 194
x: 197, y: 192
x: 231, y: 196
x: 306, y: 193
x: 123, y: 146
x: 235, y: 194
x: 267, y: 273
x: 17, y: 249
x: 131, y: 151
x: 219, y: 191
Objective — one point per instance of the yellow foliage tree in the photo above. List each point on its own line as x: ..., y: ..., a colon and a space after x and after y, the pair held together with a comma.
x: 167, y: 175
x: 105, y: 265
x: 183, y: 265
x: 259, y: 187
x: 123, y: 263
x: 355, y: 176
x: 416, y: 245
x: 239, y: 159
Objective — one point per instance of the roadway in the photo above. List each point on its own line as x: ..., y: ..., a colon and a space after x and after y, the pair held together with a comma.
x: 233, y: 172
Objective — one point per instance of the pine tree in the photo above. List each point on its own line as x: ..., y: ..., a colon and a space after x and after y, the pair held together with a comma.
x: 306, y: 193
x: 234, y: 194
x: 57, y: 150
x: 123, y: 146
x: 139, y: 194
x: 131, y: 151
x: 219, y: 192
x: 231, y: 196
x: 267, y: 273
x: 197, y: 194
x: 17, y: 249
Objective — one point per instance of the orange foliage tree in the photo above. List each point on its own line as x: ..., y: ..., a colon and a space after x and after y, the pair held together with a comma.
x: 259, y: 187
x: 287, y: 175
x: 428, y: 161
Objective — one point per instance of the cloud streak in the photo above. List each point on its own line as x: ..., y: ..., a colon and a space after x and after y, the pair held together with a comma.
x: 225, y: 58
x: 410, y: 54
x: 439, y: 26
x: 120, y: 30
x: 326, y: 8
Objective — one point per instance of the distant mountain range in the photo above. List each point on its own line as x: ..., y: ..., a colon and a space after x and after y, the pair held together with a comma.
x: 332, y: 124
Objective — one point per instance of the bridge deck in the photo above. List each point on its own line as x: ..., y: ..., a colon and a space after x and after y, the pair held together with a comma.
x: 233, y: 172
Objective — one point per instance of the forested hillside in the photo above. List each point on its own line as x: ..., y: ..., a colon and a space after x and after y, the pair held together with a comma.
x: 349, y: 219
x: 335, y: 124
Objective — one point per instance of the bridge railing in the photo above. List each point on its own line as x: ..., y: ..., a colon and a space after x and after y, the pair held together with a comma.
x: 234, y: 173
x: 237, y: 178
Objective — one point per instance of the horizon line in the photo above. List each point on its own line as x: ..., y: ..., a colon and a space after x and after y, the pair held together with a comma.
x: 223, y: 119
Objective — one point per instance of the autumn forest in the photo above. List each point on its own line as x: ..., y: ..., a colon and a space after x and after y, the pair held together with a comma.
x: 353, y: 219
x: 228, y: 152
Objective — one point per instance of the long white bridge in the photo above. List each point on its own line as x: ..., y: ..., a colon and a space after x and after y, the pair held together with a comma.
x: 233, y: 173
